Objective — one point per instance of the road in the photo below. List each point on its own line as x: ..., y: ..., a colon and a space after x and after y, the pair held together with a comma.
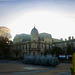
x: 11, y: 67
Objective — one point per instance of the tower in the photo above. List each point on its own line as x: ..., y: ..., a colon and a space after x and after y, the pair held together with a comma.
x: 34, y: 34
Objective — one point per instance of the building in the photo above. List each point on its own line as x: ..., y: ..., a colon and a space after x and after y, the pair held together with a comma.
x: 38, y: 43
x: 66, y: 45
x: 34, y: 43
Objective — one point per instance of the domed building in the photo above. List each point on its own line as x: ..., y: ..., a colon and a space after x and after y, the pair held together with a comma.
x: 34, y: 43
x: 39, y: 43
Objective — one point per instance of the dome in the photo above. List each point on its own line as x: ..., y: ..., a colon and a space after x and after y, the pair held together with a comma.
x: 21, y: 38
x: 34, y: 31
x: 45, y: 35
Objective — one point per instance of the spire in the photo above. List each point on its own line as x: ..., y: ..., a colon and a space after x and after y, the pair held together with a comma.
x: 34, y: 25
x: 34, y: 31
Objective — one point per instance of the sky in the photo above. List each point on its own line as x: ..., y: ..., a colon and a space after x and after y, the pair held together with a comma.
x: 56, y: 17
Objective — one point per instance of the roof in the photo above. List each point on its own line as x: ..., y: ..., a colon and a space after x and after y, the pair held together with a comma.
x: 34, y: 31
x: 45, y: 35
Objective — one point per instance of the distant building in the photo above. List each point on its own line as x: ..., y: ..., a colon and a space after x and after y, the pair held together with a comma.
x: 64, y: 44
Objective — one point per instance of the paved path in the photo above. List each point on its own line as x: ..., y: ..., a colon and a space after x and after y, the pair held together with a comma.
x: 8, y: 67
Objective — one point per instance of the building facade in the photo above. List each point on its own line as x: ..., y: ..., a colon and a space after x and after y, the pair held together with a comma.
x: 67, y: 46
x: 34, y: 43
x: 38, y: 43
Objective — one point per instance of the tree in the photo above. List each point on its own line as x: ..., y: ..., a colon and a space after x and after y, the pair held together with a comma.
x: 57, y: 51
x: 47, y: 52
x: 16, y: 52
x: 69, y: 49
x: 4, y: 46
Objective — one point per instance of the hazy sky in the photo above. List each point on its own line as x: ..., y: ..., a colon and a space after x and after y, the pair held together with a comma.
x: 56, y: 17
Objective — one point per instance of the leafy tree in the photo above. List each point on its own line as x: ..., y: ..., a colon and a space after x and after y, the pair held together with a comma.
x: 69, y: 49
x: 16, y: 52
x: 4, y: 46
x: 57, y: 51
x: 47, y: 52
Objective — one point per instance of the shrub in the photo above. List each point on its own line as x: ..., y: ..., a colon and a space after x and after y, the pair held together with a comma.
x: 41, y: 60
x: 37, y: 59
